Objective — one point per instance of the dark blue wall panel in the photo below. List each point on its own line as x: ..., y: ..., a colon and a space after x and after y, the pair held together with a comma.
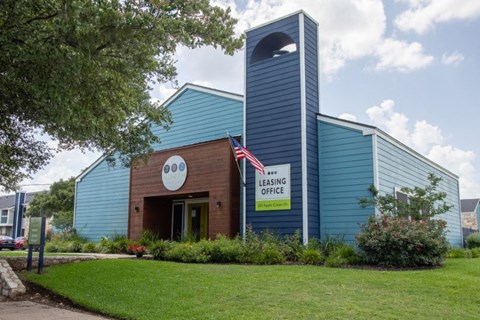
x: 274, y: 122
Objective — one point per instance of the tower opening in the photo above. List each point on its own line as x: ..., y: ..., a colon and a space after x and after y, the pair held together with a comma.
x: 274, y: 45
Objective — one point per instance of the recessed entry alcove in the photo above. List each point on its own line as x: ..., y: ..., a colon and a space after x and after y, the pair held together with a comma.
x: 274, y: 45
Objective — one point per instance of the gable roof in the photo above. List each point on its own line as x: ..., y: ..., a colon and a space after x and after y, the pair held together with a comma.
x: 166, y: 103
x: 469, y: 205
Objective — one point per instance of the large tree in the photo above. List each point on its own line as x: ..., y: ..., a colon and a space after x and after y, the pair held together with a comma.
x: 80, y: 72
x: 58, y: 203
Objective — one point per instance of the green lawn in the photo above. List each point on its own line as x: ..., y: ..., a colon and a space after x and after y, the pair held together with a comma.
x: 19, y: 253
x: 146, y: 289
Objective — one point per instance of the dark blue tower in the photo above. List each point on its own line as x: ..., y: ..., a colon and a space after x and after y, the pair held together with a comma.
x: 281, y: 104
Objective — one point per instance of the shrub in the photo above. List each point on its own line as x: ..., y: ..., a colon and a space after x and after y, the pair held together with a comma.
x: 400, y: 242
x: 292, y: 246
x: 330, y: 244
x: 149, y: 237
x: 159, y: 249
x: 473, y: 240
x: 335, y: 262
x: 270, y: 254
x: 187, y: 252
x: 312, y: 256
x: 73, y: 246
x: 348, y: 253
x: 51, y: 247
x: 63, y: 246
x: 456, y: 253
x: 475, y: 252
x: 224, y: 250
x: 89, y: 247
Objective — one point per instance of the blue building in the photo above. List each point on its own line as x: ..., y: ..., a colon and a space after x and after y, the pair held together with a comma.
x: 317, y: 167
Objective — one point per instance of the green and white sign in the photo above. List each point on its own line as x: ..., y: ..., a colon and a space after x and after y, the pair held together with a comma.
x: 35, y: 231
x: 272, y: 190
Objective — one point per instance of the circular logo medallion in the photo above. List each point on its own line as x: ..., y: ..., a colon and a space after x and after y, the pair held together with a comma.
x: 174, y: 173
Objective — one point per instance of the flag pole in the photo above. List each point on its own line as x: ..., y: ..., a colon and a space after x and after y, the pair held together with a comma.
x: 235, y: 156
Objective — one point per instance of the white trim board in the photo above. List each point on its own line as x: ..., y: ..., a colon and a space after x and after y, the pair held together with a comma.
x: 303, y: 110
x: 281, y: 18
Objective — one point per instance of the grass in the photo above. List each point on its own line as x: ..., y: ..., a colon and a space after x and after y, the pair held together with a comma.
x: 25, y: 254
x: 145, y: 289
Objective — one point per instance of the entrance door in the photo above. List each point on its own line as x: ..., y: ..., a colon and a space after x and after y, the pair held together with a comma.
x: 197, y: 217
x: 177, y: 221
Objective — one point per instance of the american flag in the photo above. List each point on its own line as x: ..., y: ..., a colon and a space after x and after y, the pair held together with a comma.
x: 242, y: 152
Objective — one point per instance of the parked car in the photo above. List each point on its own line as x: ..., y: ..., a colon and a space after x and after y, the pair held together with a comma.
x: 20, y: 243
x: 7, y: 242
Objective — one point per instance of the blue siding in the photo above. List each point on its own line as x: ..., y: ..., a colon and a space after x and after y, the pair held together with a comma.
x: 102, y: 196
x: 199, y: 117
x: 273, y: 131
x: 478, y: 218
x: 101, y: 204
x: 346, y: 173
x: 398, y: 168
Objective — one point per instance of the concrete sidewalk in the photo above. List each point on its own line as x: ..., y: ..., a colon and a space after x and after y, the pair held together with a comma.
x: 15, y: 310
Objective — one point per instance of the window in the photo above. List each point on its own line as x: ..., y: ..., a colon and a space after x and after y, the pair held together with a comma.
x: 4, y: 216
x: 402, y: 197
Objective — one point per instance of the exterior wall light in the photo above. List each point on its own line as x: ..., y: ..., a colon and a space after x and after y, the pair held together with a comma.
x: 218, y: 204
x: 137, y: 209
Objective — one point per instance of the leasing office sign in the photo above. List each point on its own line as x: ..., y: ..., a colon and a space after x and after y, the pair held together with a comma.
x: 272, y: 190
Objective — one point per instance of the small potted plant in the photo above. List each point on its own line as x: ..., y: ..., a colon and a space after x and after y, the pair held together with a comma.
x: 137, y: 250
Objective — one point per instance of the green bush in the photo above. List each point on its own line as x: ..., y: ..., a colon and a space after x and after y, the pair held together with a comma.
x: 73, y: 246
x: 475, y: 252
x: 330, y: 244
x: 473, y: 240
x: 89, y: 247
x: 335, y: 261
x: 348, y: 253
x: 270, y: 254
x: 187, y: 252
x: 159, y: 249
x: 224, y: 250
x: 51, y: 247
x: 292, y: 247
x: 400, y: 242
x: 456, y: 253
x: 149, y: 238
x: 312, y: 256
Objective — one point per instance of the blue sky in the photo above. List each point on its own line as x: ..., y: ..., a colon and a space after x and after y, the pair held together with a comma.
x: 409, y: 67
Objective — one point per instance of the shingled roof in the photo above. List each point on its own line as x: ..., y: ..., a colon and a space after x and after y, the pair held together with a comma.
x: 9, y: 200
x: 469, y: 205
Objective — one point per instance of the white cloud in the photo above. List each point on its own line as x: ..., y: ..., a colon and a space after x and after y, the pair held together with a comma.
x: 64, y: 165
x: 401, y: 56
x: 452, y: 59
x: 348, y: 116
x: 422, y: 15
x: 385, y: 117
x: 347, y: 29
x: 429, y: 141
x: 425, y: 135
x: 460, y: 162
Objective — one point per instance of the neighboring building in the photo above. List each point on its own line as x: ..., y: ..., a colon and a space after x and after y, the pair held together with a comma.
x: 470, y: 215
x: 317, y: 166
x: 7, y: 210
